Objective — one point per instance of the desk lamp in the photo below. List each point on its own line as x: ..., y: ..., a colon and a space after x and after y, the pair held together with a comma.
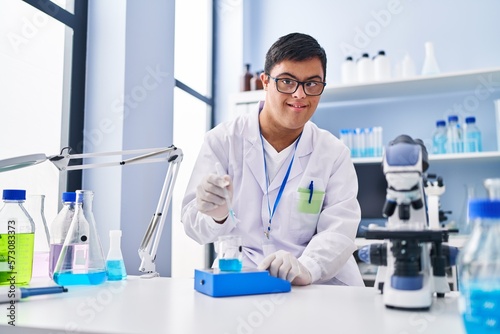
x: 149, y: 246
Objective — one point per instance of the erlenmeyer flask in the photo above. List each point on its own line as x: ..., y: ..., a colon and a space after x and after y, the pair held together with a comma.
x: 81, y: 261
x: 35, y: 205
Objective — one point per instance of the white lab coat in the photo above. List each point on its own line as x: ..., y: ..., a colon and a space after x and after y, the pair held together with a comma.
x: 323, y: 241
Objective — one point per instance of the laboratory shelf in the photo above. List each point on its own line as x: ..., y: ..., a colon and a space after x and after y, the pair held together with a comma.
x: 476, y: 157
x: 396, y: 88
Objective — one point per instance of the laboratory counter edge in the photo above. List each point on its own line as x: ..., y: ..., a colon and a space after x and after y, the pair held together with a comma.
x: 172, y: 305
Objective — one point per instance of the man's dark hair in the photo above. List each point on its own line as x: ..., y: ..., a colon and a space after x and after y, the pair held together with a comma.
x: 295, y: 47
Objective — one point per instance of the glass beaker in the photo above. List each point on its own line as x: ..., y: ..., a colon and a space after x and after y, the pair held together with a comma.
x: 230, y: 253
x: 493, y: 188
x: 464, y: 225
x: 81, y: 261
x: 35, y: 205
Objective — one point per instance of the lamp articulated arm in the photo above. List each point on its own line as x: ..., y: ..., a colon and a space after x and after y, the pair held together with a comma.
x: 150, y: 242
x: 148, y: 248
x: 65, y: 161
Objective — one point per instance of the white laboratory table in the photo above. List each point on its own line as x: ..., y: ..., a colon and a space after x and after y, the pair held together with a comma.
x: 171, y: 305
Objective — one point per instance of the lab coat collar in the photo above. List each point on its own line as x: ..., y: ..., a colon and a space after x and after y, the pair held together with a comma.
x: 254, y: 152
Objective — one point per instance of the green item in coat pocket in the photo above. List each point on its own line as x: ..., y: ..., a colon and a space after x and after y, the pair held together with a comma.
x: 308, y: 204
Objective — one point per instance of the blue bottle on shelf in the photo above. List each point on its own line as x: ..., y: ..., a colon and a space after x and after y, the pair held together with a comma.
x: 472, y: 136
x: 439, y: 138
x: 454, y: 136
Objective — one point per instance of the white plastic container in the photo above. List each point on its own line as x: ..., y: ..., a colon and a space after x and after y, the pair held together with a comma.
x: 348, y: 71
x: 365, y: 68
x: 382, y: 67
x: 407, y: 67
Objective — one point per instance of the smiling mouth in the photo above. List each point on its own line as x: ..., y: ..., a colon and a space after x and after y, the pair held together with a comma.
x: 296, y: 106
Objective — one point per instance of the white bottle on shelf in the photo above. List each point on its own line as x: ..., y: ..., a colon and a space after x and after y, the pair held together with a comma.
x: 407, y: 67
x: 365, y: 68
x: 430, y: 63
x: 382, y: 67
x: 348, y: 71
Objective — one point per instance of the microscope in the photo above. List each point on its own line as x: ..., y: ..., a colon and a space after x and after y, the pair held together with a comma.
x: 413, y: 259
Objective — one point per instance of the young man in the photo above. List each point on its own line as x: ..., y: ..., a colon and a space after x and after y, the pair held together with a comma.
x: 292, y: 185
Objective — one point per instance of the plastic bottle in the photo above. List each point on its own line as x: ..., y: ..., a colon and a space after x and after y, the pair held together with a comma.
x: 114, y: 261
x: 35, y: 205
x: 382, y: 67
x: 454, y: 136
x: 17, y: 238
x: 472, y: 136
x: 439, y: 138
x: 364, y: 68
x: 479, y: 269
x: 348, y: 71
x: 430, y: 63
x: 407, y: 67
x: 59, y: 228
x: 246, y: 79
x: 81, y: 261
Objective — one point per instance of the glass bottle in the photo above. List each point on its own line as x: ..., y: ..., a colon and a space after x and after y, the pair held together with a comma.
x: 81, y: 261
x: 35, y: 204
x: 479, y: 269
x: 246, y: 79
x: 17, y: 237
x: 454, y: 135
x: 472, y: 136
x: 59, y: 228
x: 114, y: 260
x: 439, y: 138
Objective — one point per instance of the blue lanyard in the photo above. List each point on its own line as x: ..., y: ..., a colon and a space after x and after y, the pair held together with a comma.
x: 282, y: 187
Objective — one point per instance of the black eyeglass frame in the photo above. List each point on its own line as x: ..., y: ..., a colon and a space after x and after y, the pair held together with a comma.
x: 299, y: 83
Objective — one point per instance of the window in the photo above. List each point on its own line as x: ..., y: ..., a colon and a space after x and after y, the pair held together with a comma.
x: 193, y: 108
x: 40, y: 59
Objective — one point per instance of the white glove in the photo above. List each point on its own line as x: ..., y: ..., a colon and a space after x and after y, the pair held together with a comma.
x: 210, y: 196
x: 286, y: 266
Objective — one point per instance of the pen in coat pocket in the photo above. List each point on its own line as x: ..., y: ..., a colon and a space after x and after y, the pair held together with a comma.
x: 311, y: 190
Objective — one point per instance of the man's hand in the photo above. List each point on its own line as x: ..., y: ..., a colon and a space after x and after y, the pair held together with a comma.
x: 210, y: 198
x: 286, y: 266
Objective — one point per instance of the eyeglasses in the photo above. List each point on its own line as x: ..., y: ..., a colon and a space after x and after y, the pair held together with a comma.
x: 290, y: 86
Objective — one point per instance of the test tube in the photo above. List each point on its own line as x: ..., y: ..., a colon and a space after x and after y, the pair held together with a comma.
x: 377, y: 135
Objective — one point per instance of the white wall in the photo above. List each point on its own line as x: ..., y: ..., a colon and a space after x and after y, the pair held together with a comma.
x: 129, y: 106
x: 464, y: 38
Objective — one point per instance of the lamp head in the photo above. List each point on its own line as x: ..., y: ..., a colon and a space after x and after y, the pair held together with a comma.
x: 21, y: 162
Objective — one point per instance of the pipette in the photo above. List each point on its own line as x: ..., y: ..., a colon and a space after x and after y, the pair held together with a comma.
x: 221, y: 173
x: 10, y: 295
